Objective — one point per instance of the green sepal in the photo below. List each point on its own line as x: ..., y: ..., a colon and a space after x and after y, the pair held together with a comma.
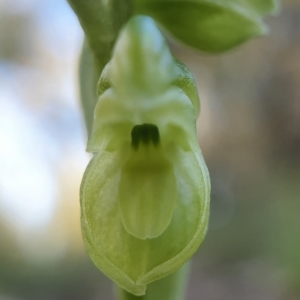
x: 87, y: 80
x: 145, y: 194
x: 210, y: 25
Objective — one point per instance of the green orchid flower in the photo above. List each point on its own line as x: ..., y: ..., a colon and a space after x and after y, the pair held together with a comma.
x: 145, y: 193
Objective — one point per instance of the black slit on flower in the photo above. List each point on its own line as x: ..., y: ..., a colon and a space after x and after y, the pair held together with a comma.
x: 146, y: 134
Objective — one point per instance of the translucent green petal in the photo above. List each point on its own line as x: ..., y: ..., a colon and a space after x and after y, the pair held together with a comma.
x: 147, y: 192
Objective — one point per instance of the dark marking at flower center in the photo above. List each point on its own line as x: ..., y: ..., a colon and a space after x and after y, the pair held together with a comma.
x: 146, y: 134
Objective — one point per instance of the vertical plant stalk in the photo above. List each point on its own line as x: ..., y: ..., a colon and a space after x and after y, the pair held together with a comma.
x: 101, y: 21
x: 172, y: 287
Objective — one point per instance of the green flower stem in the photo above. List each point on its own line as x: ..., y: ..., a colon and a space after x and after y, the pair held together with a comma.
x: 171, y: 287
x: 101, y: 21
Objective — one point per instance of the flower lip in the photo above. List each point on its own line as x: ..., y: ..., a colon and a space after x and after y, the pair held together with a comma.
x: 145, y: 133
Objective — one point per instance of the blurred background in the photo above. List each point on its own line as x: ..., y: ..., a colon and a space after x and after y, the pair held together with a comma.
x: 249, y: 132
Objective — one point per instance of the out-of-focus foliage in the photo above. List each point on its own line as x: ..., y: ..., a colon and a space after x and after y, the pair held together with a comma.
x: 249, y: 134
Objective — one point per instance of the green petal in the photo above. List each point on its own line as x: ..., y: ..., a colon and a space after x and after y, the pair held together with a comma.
x: 147, y: 192
x: 134, y: 72
x: 209, y: 25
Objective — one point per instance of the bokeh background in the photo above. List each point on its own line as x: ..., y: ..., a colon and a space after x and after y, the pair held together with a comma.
x: 249, y: 131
